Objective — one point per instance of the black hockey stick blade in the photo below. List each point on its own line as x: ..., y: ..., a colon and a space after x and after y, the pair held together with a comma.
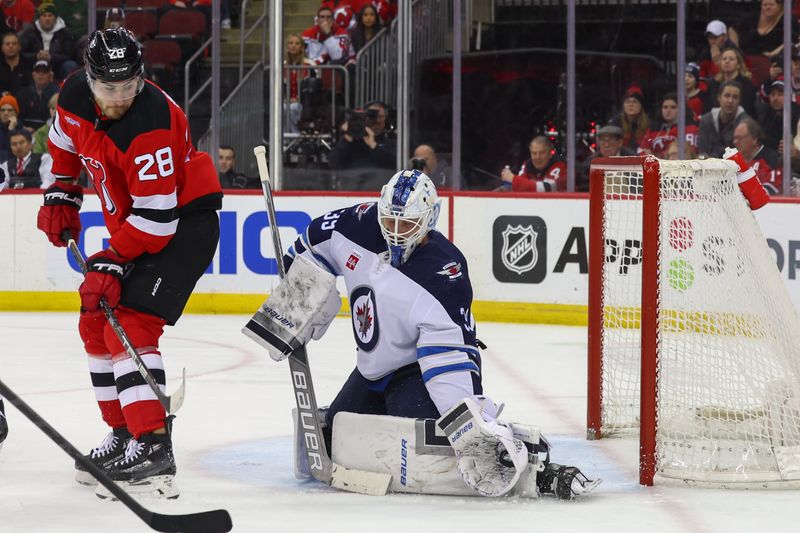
x: 172, y: 403
x: 218, y: 521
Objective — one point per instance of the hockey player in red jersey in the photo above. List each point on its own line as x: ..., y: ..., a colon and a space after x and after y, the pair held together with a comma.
x: 159, y: 198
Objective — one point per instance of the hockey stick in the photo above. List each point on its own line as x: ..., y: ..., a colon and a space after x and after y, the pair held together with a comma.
x: 171, y: 403
x: 206, y: 522
x: 319, y: 462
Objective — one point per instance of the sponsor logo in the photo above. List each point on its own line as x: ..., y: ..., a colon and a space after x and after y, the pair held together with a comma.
x: 305, y: 411
x: 365, y: 317
x: 451, y: 270
x: 64, y: 197
x: 403, y: 461
x: 72, y: 121
x: 353, y: 260
x: 111, y: 268
x: 519, y: 249
x: 155, y: 287
x: 461, y: 432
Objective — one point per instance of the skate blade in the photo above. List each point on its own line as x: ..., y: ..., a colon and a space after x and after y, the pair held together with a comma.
x: 588, y: 487
x: 155, y: 487
x: 83, y: 477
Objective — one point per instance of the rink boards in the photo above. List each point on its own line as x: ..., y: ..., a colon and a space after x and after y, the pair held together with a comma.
x: 527, y: 254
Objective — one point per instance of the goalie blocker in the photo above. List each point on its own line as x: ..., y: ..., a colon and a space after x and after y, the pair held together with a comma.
x: 300, y: 308
x: 420, y: 459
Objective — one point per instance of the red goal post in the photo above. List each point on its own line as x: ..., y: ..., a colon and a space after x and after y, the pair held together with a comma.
x: 693, y: 342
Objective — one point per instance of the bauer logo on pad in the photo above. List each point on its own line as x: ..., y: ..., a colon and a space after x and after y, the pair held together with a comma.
x: 519, y: 249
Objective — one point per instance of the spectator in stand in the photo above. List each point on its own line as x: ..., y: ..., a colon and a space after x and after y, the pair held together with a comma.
x: 15, y: 70
x: 696, y: 96
x: 689, y: 151
x: 74, y: 14
x: 661, y: 135
x: 343, y: 13
x: 387, y: 10
x: 295, y: 55
x: 717, y: 41
x: 327, y: 44
x: 40, y: 136
x: 633, y: 120
x: 716, y: 126
x: 375, y: 149
x: 436, y: 168
x: 544, y: 171
x: 50, y: 40
x: 761, y: 33
x: 732, y: 68
x: 368, y: 24
x: 19, y: 14
x: 795, y: 77
x: 33, y: 99
x: 24, y: 169
x: 9, y: 111
x: 115, y: 18
x: 762, y: 159
x: 609, y: 144
x: 771, y: 120
x: 229, y: 178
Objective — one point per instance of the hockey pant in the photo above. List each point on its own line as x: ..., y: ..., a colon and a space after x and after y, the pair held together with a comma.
x: 124, y: 397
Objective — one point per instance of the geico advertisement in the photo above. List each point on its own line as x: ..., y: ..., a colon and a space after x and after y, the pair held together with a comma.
x: 536, y: 250
x: 245, y: 259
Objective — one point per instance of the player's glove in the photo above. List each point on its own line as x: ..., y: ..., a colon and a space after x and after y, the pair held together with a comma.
x: 480, y: 441
x: 104, y: 272
x: 62, y: 201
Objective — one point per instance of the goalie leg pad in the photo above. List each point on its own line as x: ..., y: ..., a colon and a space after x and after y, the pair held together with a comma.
x: 301, y: 307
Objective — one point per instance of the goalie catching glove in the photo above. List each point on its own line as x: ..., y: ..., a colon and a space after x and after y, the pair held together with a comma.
x: 479, y: 441
x: 300, y: 308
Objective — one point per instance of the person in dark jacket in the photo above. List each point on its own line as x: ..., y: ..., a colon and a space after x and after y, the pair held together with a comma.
x: 50, y: 40
x: 33, y: 99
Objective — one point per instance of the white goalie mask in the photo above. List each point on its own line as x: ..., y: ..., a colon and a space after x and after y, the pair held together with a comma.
x: 407, y: 211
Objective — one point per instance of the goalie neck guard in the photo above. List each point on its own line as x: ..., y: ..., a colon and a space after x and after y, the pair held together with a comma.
x: 407, y: 210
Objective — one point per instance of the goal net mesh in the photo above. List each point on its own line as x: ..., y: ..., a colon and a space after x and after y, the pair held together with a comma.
x: 728, y: 339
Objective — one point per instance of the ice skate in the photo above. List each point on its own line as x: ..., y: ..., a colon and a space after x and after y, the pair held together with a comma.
x: 111, y: 450
x: 148, y: 469
x: 565, y: 482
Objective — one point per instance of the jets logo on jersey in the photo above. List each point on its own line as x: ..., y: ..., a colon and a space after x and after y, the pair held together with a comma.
x: 362, y: 209
x: 353, y: 260
x: 451, y: 270
x: 365, y: 317
x: 519, y: 252
x: 97, y: 173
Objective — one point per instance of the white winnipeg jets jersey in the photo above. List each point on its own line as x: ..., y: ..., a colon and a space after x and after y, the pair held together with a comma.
x: 417, y: 313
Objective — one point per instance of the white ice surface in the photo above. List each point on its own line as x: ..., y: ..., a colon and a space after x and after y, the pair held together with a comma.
x: 232, y: 442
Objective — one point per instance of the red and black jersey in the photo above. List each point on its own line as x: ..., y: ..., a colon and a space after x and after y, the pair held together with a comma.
x: 656, y: 141
x: 769, y: 171
x: 143, y: 166
x: 553, y: 177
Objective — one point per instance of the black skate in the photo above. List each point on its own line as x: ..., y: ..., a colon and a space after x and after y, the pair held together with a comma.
x: 111, y: 450
x: 3, y: 423
x: 148, y: 469
x: 565, y: 482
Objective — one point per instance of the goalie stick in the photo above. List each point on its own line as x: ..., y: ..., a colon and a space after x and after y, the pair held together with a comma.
x: 218, y: 521
x: 320, y: 464
x: 171, y: 403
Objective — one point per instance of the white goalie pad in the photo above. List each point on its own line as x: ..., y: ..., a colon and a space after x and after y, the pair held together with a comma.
x: 300, y: 308
x: 413, y: 451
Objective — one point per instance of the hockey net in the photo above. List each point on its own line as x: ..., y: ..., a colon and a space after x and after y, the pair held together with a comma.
x: 694, y: 342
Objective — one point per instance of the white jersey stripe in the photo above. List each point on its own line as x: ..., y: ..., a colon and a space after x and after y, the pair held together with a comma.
x: 59, y: 137
x: 155, y: 201
x: 159, y: 229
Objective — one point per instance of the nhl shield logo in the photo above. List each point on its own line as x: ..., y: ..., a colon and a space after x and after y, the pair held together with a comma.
x: 519, y: 248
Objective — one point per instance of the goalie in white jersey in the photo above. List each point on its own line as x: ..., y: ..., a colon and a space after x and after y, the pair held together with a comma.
x: 418, y: 357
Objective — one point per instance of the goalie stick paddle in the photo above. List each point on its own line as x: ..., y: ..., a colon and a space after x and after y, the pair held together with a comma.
x: 218, y: 521
x: 171, y: 403
x: 320, y: 464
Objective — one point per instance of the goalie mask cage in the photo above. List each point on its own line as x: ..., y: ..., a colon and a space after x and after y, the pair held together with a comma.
x: 693, y: 340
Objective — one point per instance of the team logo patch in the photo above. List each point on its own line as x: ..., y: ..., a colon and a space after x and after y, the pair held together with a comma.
x: 97, y: 174
x: 365, y: 317
x: 353, y: 260
x: 451, y: 270
x: 362, y: 209
x: 519, y: 248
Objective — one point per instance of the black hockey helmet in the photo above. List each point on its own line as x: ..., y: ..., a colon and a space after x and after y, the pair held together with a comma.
x: 113, y: 55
